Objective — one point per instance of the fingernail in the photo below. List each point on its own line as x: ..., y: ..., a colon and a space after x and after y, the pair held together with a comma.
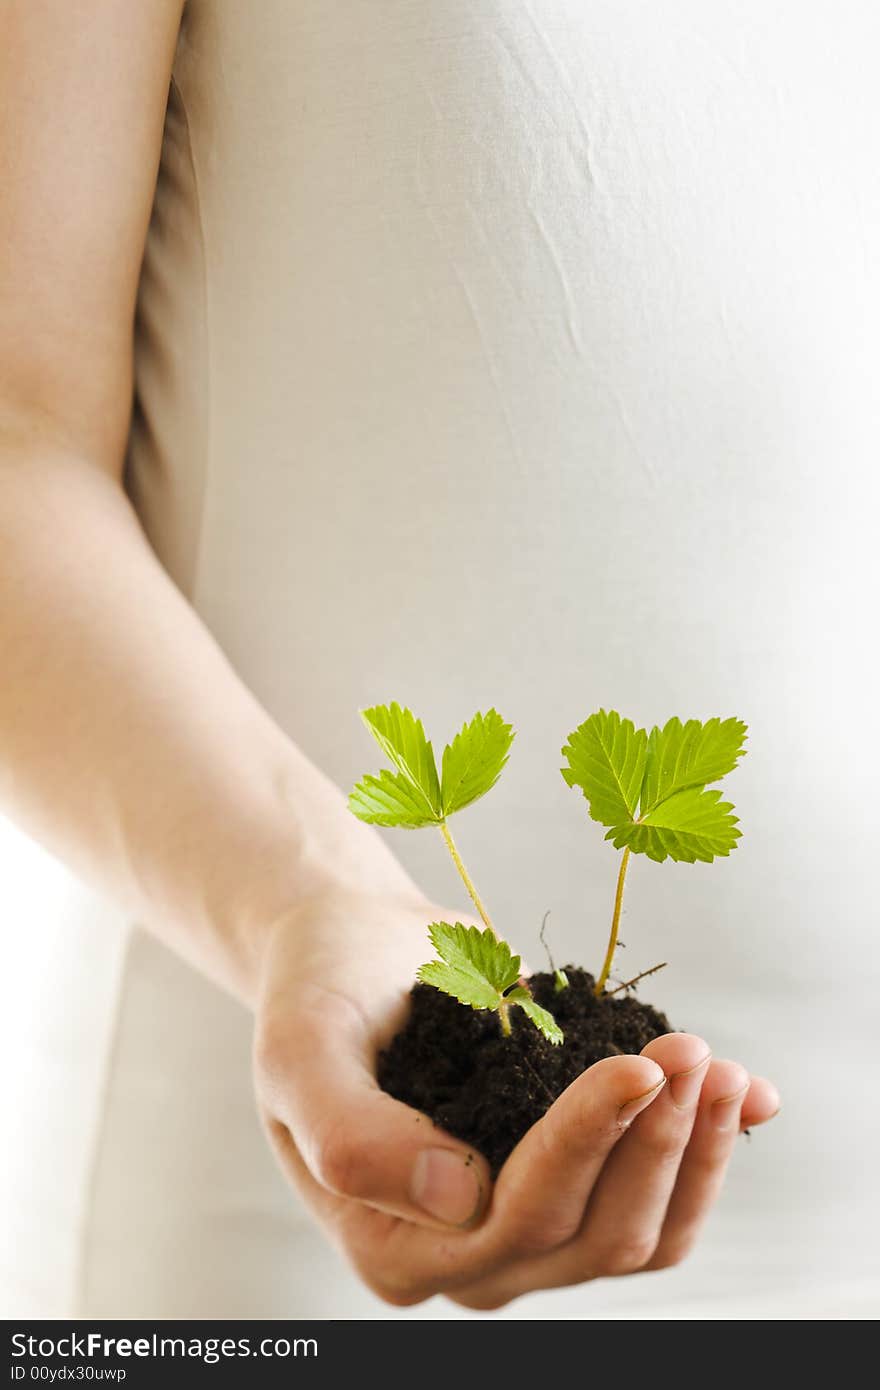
x: 628, y: 1112
x: 446, y: 1186
x: 726, y: 1111
x: 685, y: 1086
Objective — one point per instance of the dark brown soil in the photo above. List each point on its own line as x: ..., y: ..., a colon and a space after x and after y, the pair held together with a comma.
x: 452, y: 1063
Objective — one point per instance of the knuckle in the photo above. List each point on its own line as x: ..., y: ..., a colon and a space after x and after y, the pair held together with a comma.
x: 483, y: 1302
x: 400, y: 1291
x: 628, y: 1256
x: 665, y: 1146
x: 672, y: 1251
x: 270, y: 1050
x: 539, y: 1238
x: 399, y: 1298
x: 706, y: 1160
x: 399, y: 1288
x: 338, y: 1164
x: 393, y: 1278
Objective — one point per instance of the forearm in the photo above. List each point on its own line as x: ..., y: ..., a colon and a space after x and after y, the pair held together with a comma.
x: 130, y: 748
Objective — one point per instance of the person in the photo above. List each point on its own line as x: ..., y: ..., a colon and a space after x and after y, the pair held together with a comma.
x: 470, y: 363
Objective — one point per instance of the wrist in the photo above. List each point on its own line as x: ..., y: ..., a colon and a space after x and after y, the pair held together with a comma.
x: 329, y: 858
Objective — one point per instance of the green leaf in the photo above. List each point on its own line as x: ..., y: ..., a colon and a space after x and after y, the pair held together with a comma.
x: 542, y: 1019
x: 476, y: 953
x: 474, y: 760
x: 606, y: 759
x: 410, y: 797
x: 689, y: 755
x: 402, y: 739
x: 390, y: 799
x: 476, y: 969
x: 692, y: 824
x: 463, y: 985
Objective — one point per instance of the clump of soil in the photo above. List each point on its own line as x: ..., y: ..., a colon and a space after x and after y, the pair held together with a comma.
x: 452, y: 1063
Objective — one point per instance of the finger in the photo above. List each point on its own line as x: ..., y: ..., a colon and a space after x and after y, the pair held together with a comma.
x: 761, y: 1103
x: 543, y: 1187
x: 317, y: 1073
x: 539, y: 1197
x: 627, y: 1209
x: 624, y: 1215
x: 704, y: 1165
x: 415, y: 1264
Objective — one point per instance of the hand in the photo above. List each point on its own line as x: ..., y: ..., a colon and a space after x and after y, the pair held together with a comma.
x: 618, y: 1176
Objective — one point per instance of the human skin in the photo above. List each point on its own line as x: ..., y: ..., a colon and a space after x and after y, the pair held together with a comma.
x: 618, y: 1176
x: 130, y: 748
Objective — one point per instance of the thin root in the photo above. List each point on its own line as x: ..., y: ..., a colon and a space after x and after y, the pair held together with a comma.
x: 631, y: 984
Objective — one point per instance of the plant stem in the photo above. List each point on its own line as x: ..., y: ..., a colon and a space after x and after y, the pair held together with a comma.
x: 468, y: 883
x: 615, y: 924
x: 504, y: 1015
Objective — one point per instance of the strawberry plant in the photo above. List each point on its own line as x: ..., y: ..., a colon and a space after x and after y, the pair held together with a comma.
x: 651, y: 791
x: 487, y: 1082
x: 475, y: 967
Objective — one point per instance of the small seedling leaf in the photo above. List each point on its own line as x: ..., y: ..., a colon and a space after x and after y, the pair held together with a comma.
x: 606, y: 758
x: 542, y: 1020
x: 476, y: 969
x: 474, y: 760
x: 469, y: 948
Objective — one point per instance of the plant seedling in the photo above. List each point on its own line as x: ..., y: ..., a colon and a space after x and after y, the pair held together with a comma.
x: 651, y: 791
x: 474, y: 966
x: 560, y: 979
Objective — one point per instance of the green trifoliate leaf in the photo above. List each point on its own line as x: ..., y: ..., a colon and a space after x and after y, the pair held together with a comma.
x: 402, y: 739
x: 390, y: 799
x: 540, y: 1017
x: 473, y: 761
x: 476, y: 969
x: 606, y: 759
x: 690, y: 825
x: 689, y: 755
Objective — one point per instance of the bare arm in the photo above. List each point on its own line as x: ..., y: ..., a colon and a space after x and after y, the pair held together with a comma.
x: 128, y: 745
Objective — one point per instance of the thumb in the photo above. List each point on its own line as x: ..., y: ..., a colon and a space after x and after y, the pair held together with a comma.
x: 318, y: 1080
